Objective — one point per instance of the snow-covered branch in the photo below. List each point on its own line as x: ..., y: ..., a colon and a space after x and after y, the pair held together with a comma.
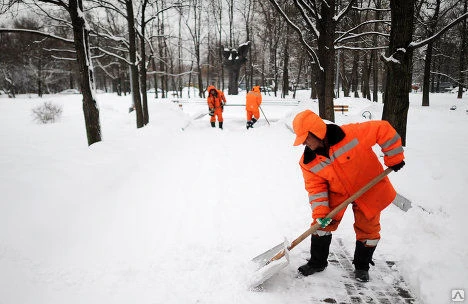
x: 312, y: 10
x: 63, y: 58
x: 353, y: 36
x: 341, y: 14
x: 309, y: 48
x: 339, y: 39
x: 114, y: 55
x: 169, y: 74
x: 371, y: 9
x: 16, y: 30
x: 344, y: 47
x: 415, y: 45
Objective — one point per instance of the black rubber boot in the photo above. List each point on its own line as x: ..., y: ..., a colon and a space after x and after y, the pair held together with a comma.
x: 252, y: 122
x: 220, y: 124
x: 319, y: 249
x: 362, y: 259
x: 213, y: 124
x: 248, y: 125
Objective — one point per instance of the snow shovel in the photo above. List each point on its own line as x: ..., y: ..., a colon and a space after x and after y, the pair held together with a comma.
x: 264, y: 115
x: 270, y: 262
x: 195, y: 117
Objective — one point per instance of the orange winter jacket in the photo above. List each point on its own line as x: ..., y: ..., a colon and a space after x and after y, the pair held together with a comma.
x: 215, y: 102
x: 253, y: 99
x: 351, y: 164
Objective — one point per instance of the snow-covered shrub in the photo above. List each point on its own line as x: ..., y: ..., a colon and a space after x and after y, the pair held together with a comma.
x: 47, y: 113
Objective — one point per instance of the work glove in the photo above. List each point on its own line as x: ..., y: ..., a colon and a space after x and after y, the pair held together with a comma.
x: 324, y: 221
x: 398, y: 166
x: 211, y: 112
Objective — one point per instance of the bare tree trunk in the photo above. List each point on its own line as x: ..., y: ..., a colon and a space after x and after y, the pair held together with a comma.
x: 463, y: 54
x: 374, y: 56
x: 326, y: 55
x: 134, y: 64
x: 143, y: 64
x: 155, y: 78
x: 428, y: 59
x: 313, y: 80
x: 298, y: 78
x: 285, y: 89
x: 344, y: 77
x: 354, y: 74
x: 83, y: 55
x: 427, y: 75
x: 365, y: 88
x: 396, y: 102
x: 39, y: 78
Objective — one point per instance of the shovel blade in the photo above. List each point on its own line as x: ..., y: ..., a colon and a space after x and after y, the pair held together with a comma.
x: 267, y: 272
x: 270, y: 268
x: 264, y: 258
x: 402, y: 202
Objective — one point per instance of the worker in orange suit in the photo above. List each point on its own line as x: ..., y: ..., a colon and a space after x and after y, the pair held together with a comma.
x: 337, y: 162
x: 252, y: 104
x: 216, y: 101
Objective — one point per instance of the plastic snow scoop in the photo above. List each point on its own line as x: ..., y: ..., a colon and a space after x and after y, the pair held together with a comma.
x: 195, y: 117
x: 273, y: 255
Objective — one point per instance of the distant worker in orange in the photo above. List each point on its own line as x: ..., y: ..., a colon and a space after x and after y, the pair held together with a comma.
x: 216, y: 101
x: 252, y: 104
x: 337, y: 162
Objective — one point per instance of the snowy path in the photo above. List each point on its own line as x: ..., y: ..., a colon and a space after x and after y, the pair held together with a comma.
x: 160, y: 215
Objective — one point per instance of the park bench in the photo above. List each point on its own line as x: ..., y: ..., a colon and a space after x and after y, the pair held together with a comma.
x: 341, y: 108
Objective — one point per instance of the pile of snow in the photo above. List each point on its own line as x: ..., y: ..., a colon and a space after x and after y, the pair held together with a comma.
x: 160, y: 215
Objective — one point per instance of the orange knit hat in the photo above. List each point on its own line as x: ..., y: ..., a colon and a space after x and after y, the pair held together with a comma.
x: 305, y: 122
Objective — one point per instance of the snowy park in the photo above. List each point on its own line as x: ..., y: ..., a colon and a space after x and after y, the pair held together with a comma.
x: 165, y: 215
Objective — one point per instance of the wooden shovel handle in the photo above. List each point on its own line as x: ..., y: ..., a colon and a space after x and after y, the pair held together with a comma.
x: 332, y: 213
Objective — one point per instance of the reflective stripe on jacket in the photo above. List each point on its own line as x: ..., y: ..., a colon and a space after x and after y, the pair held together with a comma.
x: 351, y: 165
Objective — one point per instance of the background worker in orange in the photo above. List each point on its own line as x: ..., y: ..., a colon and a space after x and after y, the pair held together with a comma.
x: 216, y: 101
x: 336, y: 163
x: 252, y: 103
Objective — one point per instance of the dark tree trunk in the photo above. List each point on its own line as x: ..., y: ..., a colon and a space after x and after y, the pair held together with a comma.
x: 155, y: 78
x: 39, y: 78
x: 374, y: 56
x: 143, y: 65
x: 428, y: 59
x: 298, y: 79
x: 354, y: 74
x: 344, y: 77
x: 326, y: 55
x: 134, y: 65
x: 375, y: 76
x: 313, y: 81
x: 365, y: 88
x: 285, y: 90
x: 427, y: 75
x: 83, y: 55
x: 396, y: 102
x: 463, y: 54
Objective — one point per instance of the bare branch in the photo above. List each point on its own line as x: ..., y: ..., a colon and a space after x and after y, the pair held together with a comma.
x: 341, y: 38
x: 345, y: 11
x: 114, y: 55
x: 15, y: 30
x: 309, y: 48
x: 415, y: 45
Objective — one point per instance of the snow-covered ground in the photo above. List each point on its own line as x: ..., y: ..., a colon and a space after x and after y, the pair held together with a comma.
x: 161, y: 215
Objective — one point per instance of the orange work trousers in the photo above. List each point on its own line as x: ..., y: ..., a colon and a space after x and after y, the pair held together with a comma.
x: 218, y: 113
x: 365, y: 229
x: 254, y: 113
